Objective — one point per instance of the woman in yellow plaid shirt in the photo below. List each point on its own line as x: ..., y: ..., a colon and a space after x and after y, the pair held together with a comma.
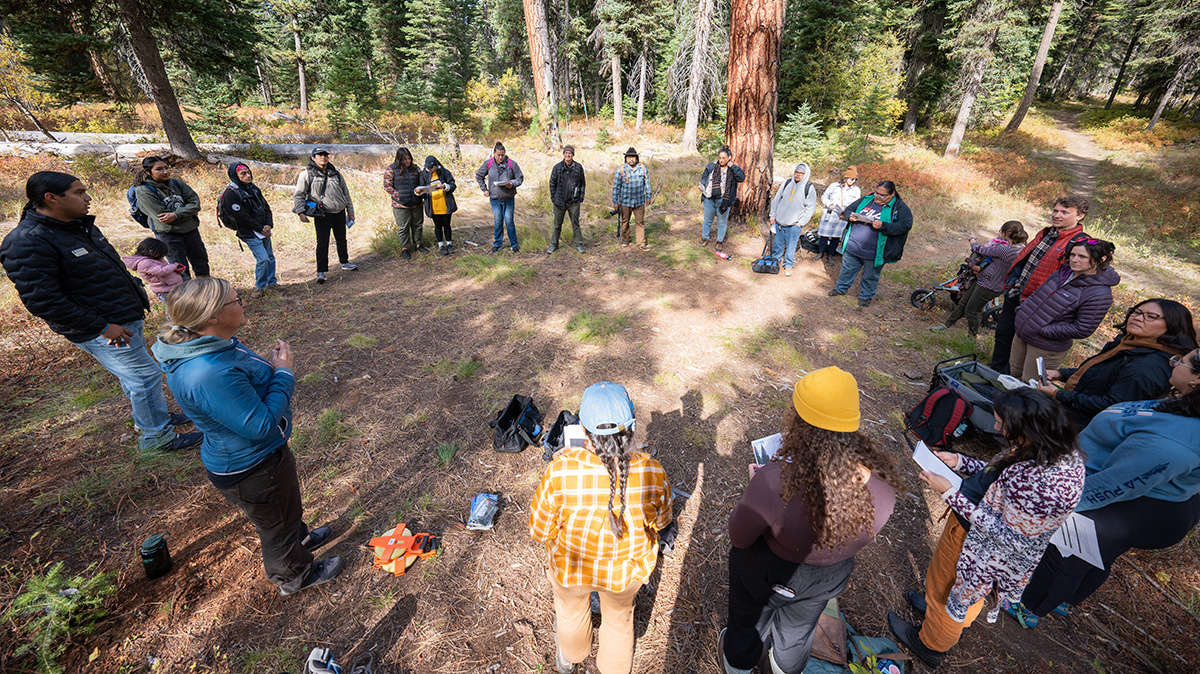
x: 599, y: 509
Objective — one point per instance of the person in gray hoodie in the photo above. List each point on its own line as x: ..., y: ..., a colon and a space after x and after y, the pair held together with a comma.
x: 499, y: 178
x: 321, y: 192
x: 791, y: 209
x: 172, y: 207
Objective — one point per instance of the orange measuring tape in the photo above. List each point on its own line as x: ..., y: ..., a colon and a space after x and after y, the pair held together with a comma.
x: 396, y: 552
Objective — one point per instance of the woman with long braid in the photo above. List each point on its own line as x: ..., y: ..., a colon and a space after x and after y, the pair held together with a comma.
x: 608, y: 547
x: 826, y: 493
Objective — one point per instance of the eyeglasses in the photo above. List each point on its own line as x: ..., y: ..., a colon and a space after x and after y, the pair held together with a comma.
x: 884, y: 195
x: 1145, y: 314
x: 1176, y: 361
x: 236, y: 299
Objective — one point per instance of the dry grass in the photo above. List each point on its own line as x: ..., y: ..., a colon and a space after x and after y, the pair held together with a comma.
x: 1124, y: 129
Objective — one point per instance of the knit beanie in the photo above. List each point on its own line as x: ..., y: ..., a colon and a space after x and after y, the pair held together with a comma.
x: 828, y: 399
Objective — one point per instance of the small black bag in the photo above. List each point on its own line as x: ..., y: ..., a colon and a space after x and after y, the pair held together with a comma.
x: 938, y: 418
x: 554, y: 436
x: 766, y: 264
x: 808, y: 241
x: 517, y: 426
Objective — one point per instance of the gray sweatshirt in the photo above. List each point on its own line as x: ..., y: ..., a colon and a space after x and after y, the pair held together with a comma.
x: 795, y: 202
x: 329, y: 187
x: 494, y: 173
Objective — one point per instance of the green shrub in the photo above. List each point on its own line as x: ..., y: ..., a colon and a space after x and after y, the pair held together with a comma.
x: 55, y: 609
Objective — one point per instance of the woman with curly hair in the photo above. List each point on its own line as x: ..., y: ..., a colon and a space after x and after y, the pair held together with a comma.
x: 608, y: 547
x: 826, y: 493
x: 1005, y: 512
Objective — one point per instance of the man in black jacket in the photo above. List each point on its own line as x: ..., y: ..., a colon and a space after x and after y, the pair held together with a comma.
x: 69, y: 275
x: 567, y: 186
x: 243, y: 207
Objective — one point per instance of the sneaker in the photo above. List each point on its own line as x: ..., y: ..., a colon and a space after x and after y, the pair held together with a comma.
x: 322, y: 572
x: 182, y: 441
x: 420, y: 249
x: 704, y: 242
x: 561, y: 664
x: 449, y: 247
x: 579, y: 247
x: 1021, y: 614
x: 938, y: 328
x: 317, y: 537
x: 645, y: 248
x: 910, y: 638
x: 787, y: 271
x: 405, y: 255
x: 495, y: 249
x: 320, y: 277
x: 864, y: 303
x: 179, y: 419
x: 916, y: 600
x: 515, y: 250
x: 257, y: 294
x: 624, y: 244
x: 1062, y: 609
x: 350, y: 266
x: 835, y: 293
x: 551, y: 249
x: 444, y: 250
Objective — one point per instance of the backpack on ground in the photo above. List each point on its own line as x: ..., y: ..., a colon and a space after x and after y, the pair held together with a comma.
x: 766, y: 264
x: 838, y: 648
x: 940, y: 417
x: 554, y: 437
x: 517, y: 426
x: 808, y: 241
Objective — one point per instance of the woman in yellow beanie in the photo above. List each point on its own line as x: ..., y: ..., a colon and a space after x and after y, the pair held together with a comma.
x: 804, y: 515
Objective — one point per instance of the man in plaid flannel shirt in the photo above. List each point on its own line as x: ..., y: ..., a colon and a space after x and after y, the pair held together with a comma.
x: 630, y: 194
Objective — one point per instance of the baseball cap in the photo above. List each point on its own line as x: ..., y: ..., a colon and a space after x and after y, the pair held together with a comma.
x: 606, y: 409
x: 318, y: 150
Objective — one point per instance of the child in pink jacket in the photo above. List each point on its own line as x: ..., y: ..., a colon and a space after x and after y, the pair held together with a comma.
x: 150, y: 262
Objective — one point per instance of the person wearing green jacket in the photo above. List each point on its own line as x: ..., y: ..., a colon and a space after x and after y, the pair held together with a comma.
x: 172, y: 209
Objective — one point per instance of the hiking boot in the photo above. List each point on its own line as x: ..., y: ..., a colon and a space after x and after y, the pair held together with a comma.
x: 350, y: 266
x: 645, y: 248
x: 405, y: 255
x: 864, y: 303
x: 579, y: 248
x: 516, y: 249
x: 910, y: 638
x: 938, y: 328
x: 787, y: 271
x: 916, y: 600
x: 835, y: 293
x: 257, y: 294
x: 179, y: 419
x: 718, y: 247
x: 276, y: 288
x: 495, y: 249
x: 561, y: 664
x: 1021, y: 614
x: 320, y: 277
x: 317, y: 537
x: 551, y: 249
x: 322, y: 572
x: 181, y: 441
x: 704, y: 242
x: 422, y: 249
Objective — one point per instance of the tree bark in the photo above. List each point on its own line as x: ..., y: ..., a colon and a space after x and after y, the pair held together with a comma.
x: 538, y: 32
x: 924, y: 54
x: 1084, y: 21
x: 756, y: 27
x: 300, y: 66
x: 1185, y: 70
x: 1083, y: 58
x: 264, y: 85
x: 618, y: 111
x: 691, y: 127
x: 642, y: 87
x: 970, y: 91
x: 146, y: 50
x: 1137, y: 33
x: 1039, y: 62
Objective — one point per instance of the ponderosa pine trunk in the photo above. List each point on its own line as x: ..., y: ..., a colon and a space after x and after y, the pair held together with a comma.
x: 1185, y: 70
x: 970, y: 91
x: 1039, y: 62
x: 1137, y: 33
x: 691, y: 126
x: 618, y: 103
x: 146, y: 50
x: 542, y: 69
x: 756, y: 27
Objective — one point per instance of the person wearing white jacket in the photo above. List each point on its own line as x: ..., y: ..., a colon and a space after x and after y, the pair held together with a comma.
x: 791, y: 209
x: 837, y: 197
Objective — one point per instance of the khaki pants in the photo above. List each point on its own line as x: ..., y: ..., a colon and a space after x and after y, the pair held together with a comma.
x: 939, y: 631
x: 573, y: 624
x: 1022, y: 359
x: 637, y: 213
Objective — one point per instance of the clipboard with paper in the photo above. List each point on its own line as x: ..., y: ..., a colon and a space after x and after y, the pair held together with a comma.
x: 1077, y: 537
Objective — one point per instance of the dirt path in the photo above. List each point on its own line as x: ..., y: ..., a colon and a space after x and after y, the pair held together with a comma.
x: 1081, y: 155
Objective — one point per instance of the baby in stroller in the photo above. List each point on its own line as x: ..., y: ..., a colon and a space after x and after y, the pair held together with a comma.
x: 982, y: 275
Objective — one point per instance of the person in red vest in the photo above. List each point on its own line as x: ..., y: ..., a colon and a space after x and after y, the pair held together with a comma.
x: 1036, y: 263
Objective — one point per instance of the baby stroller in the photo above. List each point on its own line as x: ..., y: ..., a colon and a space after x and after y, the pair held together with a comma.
x: 926, y: 298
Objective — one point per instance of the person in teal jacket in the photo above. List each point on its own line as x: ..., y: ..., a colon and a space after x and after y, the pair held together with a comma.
x: 1142, y: 490
x: 879, y: 225
x: 242, y: 403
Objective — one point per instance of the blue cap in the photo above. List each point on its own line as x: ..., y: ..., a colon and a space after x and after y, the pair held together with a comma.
x: 606, y: 409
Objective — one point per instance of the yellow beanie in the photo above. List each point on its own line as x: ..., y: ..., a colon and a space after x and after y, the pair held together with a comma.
x: 828, y: 398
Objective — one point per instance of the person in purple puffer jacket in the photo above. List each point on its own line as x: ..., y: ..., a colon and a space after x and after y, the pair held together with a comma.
x: 990, y: 263
x: 1068, y: 306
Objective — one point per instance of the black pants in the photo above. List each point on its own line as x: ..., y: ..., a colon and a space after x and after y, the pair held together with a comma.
x: 760, y: 616
x: 441, y: 227
x: 186, y: 249
x: 827, y: 245
x: 1143, y: 523
x: 336, y: 223
x: 270, y: 497
x: 1006, y: 329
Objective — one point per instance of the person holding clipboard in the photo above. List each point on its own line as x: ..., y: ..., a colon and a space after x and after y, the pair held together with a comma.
x: 1004, y: 514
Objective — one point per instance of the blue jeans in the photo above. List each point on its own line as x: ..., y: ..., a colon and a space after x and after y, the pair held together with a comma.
x: 712, y: 209
x: 264, y: 261
x: 784, y: 249
x: 141, y: 380
x: 870, y: 276
x: 502, y: 216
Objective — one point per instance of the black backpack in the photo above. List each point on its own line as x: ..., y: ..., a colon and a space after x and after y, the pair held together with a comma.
x: 135, y: 212
x: 939, y: 418
x: 517, y: 426
x: 554, y: 436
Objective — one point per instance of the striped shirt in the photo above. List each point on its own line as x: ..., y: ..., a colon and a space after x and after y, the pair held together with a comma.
x: 569, y: 514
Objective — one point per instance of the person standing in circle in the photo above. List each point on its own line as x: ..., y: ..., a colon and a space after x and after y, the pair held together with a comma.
x: 718, y: 194
x: 879, y: 226
x: 832, y: 225
x: 172, y: 209
x: 437, y: 184
x: 243, y: 204
x: 567, y: 188
x: 630, y: 195
x: 400, y: 180
x: 498, y: 178
x: 323, y: 195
